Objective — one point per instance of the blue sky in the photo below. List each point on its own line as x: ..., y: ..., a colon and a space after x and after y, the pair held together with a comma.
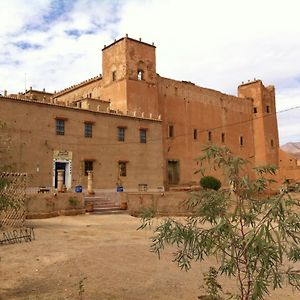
x: 216, y: 44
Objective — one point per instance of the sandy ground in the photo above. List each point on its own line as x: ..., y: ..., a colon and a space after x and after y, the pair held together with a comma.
x: 108, y: 254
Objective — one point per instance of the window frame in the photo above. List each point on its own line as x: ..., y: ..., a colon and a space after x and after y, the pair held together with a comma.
x: 143, y: 135
x: 140, y: 75
x: 209, y: 136
x: 90, y: 163
x: 60, y: 126
x: 223, y: 137
x: 171, y: 131
x: 114, y: 75
x: 121, y: 133
x: 88, y: 133
x: 122, y: 168
x: 195, y: 134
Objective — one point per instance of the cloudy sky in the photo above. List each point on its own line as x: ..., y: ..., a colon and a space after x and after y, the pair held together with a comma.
x: 216, y: 44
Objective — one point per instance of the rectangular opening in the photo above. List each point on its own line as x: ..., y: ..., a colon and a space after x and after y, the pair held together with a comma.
x: 60, y: 127
x: 143, y: 187
x: 241, y: 141
x: 114, y: 75
x: 223, y: 137
x: 88, y: 166
x: 88, y: 130
x: 121, y: 134
x: 255, y: 110
x: 171, y: 131
x: 122, y: 168
x: 143, y: 135
x: 209, y: 136
x: 173, y: 172
x: 195, y: 134
x: 267, y: 108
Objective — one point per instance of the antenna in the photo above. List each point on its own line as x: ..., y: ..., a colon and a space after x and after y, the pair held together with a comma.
x: 25, y: 85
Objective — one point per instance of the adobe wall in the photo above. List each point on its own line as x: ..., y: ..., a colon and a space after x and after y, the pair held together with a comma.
x: 31, y: 126
x: 289, y: 167
x: 190, y: 107
x: 264, y: 121
x: 88, y: 89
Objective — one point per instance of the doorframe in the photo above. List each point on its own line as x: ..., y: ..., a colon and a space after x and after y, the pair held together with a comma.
x: 68, y: 172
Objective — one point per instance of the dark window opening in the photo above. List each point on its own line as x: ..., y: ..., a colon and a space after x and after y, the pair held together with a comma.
x: 114, y: 75
x: 241, y: 141
x: 122, y: 169
x: 170, y: 131
x: 267, y: 108
x: 143, y: 187
x: 88, y: 166
x: 195, y: 134
x: 255, y: 110
x: 143, y: 135
x: 88, y: 130
x: 223, y: 137
x: 272, y: 143
x: 60, y: 127
x: 121, y: 134
x: 173, y: 172
x: 209, y: 136
x: 140, y: 75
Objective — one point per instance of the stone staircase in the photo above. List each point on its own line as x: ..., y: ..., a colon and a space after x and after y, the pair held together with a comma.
x: 103, y: 205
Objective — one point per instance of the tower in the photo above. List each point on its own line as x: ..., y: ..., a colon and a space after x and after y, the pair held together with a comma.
x: 129, y: 76
x: 264, y: 121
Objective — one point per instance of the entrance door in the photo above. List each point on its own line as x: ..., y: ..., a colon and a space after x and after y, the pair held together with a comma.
x: 60, y: 166
x: 173, y: 171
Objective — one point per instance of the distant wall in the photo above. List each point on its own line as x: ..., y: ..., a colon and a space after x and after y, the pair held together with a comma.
x: 165, y: 204
x: 49, y: 205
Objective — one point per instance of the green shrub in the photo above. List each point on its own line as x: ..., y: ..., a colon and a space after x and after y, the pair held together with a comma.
x: 73, y: 201
x: 210, y: 182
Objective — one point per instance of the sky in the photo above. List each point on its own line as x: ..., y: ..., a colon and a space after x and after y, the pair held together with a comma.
x: 53, y: 44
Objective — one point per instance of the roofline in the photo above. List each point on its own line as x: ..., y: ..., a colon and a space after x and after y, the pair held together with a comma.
x: 128, y: 38
x: 37, y: 102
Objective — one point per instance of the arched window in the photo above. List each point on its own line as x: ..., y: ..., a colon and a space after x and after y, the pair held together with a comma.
x: 140, y: 74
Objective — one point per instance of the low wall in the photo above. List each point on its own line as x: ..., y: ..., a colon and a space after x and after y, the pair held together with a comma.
x: 51, y: 205
x: 165, y: 204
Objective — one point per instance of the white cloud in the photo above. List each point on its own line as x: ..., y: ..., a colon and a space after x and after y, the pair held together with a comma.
x: 216, y: 44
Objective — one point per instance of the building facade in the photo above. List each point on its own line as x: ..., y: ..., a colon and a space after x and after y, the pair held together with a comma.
x: 132, y: 125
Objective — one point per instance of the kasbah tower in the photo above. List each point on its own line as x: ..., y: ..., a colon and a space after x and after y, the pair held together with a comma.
x: 178, y: 117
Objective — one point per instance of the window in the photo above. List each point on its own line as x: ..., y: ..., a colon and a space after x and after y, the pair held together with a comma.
x: 223, y: 137
x: 255, y: 110
x: 60, y: 127
x: 143, y: 135
x: 88, y: 166
x: 88, y: 130
x: 140, y: 75
x: 114, y: 75
x: 267, y: 108
x: 195, y: 134
x: 143, y: 187
x: 121, y: 134
x: 209, y: 136
x: 171, y: 131
x: 122, y: 168
x: 241, y: 141
x: 272, y: 143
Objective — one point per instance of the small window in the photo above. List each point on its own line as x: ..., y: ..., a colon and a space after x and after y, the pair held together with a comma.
x: 121, y: 134
x: 267, y: 108
x: 195, y: 134
x: 88, y: 166
x: 122, y: 168
x: 88, y: 130
x: 255, y: 110
x: 223, y: 137
x: 60, y: 127
x: 171, y: 131
x: 241, y: 141
x: 140, y: 75
x: 209, y: 136
x: 114, y: 75
x: 143, y: 135
x: 143, y: 187
x: 272, y: 143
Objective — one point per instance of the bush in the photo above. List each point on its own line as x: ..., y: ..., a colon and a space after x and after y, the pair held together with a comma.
x: 210, y: 182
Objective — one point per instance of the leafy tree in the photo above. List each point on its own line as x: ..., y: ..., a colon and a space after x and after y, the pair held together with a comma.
x: 254, y: 237
x: 210, y: 182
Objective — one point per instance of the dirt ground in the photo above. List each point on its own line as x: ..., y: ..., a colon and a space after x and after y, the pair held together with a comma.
x: 106, y: 255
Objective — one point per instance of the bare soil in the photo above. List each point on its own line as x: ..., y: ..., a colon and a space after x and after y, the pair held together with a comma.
x: 107, y: 256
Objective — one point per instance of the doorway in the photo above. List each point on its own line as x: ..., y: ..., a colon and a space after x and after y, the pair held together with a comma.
x: 60, y: 166
x: 173, y: 172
